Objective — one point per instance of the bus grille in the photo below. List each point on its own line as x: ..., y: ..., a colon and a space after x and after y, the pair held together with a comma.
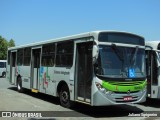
x: 126, y: 83
x: 125, y: 92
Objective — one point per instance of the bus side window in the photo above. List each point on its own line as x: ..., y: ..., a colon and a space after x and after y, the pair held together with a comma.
x: 4, y: 64
x: 64, y: 55
x: 13, y: 59
x: 20, y: 57
x: 1, y: 64
x: 48, y: 54
x: 27, y: 56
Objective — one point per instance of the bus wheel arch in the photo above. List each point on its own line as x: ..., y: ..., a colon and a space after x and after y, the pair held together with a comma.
x: 19, y: 84
x: 64, y: 95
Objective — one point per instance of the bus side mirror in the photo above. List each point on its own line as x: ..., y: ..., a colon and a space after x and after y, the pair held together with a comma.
x: 95, y: 53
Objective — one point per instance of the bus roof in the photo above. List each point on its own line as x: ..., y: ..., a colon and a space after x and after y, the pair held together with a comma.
x: 72, y: 37
x: 153, y: 45
x: 3, y: 60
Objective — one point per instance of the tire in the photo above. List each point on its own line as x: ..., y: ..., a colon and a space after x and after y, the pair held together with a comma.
x: 65, y: 97
x: 4, y: 74
x: 19, y: 85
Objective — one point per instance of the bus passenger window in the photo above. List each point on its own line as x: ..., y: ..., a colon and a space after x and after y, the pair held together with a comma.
x: 48, y: 55
x: 20, y: 57
x: 64, y: 55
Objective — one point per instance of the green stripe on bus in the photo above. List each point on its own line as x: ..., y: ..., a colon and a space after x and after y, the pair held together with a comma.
x: 124, y: 87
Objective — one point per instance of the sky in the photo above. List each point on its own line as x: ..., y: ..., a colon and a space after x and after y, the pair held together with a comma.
x: 28, y: 21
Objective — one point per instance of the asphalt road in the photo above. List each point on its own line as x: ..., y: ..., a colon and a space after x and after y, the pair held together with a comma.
x: 27, y: 103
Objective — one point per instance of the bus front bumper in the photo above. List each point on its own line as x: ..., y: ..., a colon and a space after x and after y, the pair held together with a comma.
x: 102, y: 99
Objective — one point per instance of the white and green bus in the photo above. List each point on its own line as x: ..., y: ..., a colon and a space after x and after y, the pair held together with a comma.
x: 153, y: 68
x: 97, y: 68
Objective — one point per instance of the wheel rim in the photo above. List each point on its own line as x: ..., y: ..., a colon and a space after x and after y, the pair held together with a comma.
x: 64, y: 96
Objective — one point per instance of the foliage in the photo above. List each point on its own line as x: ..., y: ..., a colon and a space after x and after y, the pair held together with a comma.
x: 4, y: 44
x: 11, y: 43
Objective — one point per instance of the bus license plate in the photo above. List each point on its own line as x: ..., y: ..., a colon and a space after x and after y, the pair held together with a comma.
x: 128, y: 98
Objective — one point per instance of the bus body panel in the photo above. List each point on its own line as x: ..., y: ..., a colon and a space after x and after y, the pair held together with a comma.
x: 155, y: 91
x: 47, y: 82
x: 24, y: 72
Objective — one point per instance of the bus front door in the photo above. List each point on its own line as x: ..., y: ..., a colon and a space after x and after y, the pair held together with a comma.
x: 152, y: 74
x: 84, y: 71
x: 13, y: 68
x: 35, y: 69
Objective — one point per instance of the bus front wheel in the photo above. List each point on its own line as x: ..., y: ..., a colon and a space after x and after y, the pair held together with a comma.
x: 65, y: 97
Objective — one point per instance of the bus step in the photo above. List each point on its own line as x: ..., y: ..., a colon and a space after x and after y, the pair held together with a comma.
x: 82, y: 102
x: 34, y: 90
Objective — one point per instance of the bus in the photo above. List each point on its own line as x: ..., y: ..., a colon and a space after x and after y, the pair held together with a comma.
x: 153, y: 68
x: 3, y: 68
x: 97, y: 68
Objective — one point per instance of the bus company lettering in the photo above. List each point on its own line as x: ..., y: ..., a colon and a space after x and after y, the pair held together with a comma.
x: 138, y: 87
x: 61, y: 72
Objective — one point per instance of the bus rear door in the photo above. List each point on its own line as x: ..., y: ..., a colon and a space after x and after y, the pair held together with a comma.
x: 35, y: 67
x: 13, y: 67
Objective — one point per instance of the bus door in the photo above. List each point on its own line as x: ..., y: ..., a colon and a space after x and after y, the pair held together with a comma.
x: 13, y: 67
x: 35, y: 67
x: 84, y: 70
x: 152, y: 73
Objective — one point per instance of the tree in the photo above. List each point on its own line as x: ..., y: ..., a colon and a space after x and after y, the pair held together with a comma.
x: 4, y: 44
x: 3, y: 48
x: 11, y: 43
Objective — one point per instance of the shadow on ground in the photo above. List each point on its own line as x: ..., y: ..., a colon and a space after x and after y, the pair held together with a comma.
x: 150, y: 102
x: 82, y: 110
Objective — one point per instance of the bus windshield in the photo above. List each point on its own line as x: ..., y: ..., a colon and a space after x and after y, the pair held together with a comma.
x: 121, y: 62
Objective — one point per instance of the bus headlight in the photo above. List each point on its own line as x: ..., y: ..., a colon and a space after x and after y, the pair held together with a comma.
x: 102, y: 89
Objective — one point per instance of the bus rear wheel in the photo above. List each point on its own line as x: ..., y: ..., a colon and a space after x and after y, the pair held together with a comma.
x: 65, y: 97
x: 19, y: 85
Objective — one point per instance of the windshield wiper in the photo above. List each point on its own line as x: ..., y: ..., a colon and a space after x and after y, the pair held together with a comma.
x: 120, y: 55
x: 117, y: 51
x: 134, y: 56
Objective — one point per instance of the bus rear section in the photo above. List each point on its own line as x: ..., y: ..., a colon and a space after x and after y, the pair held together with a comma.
x: 153, y: 69
x: 3, y: 68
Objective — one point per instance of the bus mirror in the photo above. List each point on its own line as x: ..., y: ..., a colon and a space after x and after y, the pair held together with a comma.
x: 95, y: 53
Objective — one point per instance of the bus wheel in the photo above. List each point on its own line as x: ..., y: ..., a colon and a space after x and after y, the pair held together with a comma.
x: 3, y: 74
x: 19, y: 85
x: 65, y: 97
